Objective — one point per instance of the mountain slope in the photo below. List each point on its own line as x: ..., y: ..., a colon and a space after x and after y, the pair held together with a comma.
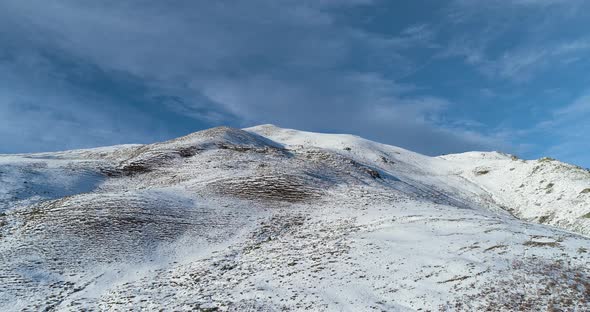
x: 544, y: 191
x: 275, y: 219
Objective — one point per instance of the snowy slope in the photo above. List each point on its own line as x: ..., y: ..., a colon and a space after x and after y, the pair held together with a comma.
x: 266, y: 219
x: 544, y: 190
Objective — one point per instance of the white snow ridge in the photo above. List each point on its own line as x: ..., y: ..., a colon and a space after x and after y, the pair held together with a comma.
x: 271, y: 219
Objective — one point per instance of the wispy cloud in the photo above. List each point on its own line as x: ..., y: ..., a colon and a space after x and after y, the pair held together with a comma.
x: 564, y: 131
x: 518, y: 39
x: 522, y: 63
x: 577, y: 109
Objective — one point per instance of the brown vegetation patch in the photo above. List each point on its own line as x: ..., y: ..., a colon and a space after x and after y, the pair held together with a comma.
x: 495, y: 247
x: 274, y: 187
x: 541, y: 244
x: 530, y: 285
x: 482, y: 171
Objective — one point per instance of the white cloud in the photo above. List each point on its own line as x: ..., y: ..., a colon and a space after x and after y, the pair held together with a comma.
x: 578, y: 108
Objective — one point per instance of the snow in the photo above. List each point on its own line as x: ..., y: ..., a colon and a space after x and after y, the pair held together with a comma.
x: 266, y: 219
x: 26, y: 180
x: 545, y: 191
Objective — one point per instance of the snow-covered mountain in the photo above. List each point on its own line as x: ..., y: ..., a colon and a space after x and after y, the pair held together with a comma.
x: 265, y: 219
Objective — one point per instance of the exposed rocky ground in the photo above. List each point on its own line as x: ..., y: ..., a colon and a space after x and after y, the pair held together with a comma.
x: 270, y: 219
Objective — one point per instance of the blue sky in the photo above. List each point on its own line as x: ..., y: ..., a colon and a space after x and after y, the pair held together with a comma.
x: 432, y: 76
